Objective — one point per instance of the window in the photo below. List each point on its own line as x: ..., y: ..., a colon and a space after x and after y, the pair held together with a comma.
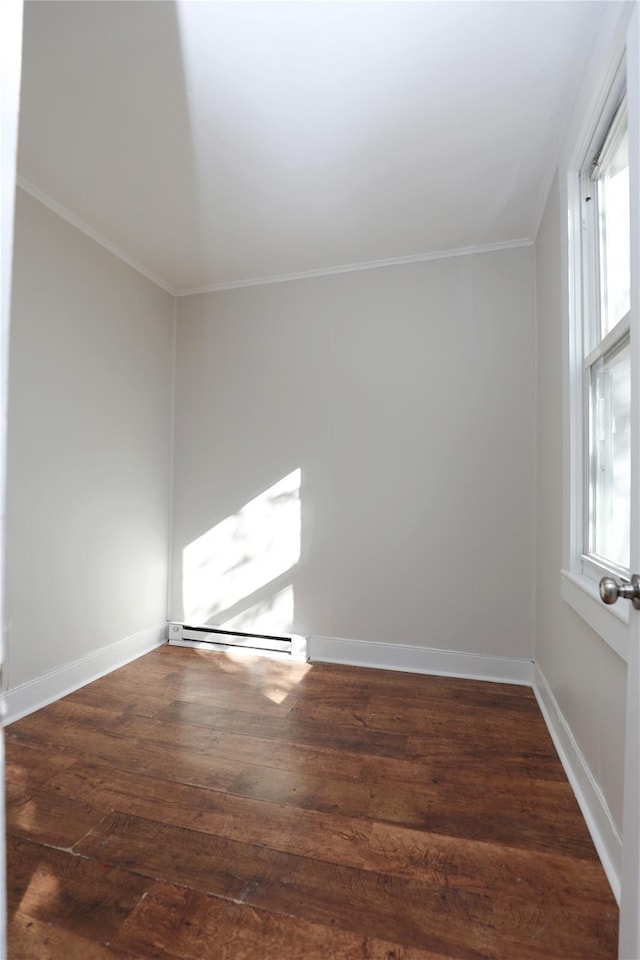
x: 605, y: 268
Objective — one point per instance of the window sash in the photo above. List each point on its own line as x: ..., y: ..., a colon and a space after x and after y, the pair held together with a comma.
x: 607, y: 463
x: 591, y: 265
x: 598, y: 349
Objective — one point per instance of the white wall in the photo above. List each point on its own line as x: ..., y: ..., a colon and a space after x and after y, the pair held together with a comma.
x: 405, y: 397
x: 581, y: 679
x: 587, y: 679
x: 89, y: 447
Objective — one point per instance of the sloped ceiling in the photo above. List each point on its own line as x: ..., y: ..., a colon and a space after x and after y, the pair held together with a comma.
x: 216, y: 143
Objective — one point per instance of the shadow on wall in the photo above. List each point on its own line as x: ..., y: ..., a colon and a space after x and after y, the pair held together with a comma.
x: 238, y: 575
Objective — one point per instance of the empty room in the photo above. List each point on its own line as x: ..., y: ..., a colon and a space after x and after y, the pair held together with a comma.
x: 321, y: 480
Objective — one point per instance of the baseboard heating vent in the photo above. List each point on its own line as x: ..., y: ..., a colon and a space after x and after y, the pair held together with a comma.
x: 183, y: 635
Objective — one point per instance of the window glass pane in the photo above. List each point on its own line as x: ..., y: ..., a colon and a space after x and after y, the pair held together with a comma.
x: 614, y: 253
x: 609, y: 455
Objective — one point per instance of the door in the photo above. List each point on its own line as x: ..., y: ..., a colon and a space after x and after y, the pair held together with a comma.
x: 630, y: 899
x: 629, y: 943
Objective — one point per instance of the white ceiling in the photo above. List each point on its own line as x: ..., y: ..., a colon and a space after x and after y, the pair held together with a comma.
x: 214, y: 143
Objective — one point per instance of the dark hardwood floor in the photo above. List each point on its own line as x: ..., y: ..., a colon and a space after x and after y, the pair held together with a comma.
x: 199, y: 806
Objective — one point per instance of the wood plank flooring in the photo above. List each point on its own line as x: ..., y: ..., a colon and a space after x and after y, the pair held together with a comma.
x: 202, y: 806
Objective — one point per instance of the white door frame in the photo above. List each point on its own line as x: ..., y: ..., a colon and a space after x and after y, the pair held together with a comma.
x: 10, y: 61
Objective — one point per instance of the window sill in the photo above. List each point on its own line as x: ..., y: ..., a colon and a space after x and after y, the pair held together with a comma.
x: 610, y: 623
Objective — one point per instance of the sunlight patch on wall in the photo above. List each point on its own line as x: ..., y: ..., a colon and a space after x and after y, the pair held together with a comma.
x: 242, y: 554
x: 271, y: 615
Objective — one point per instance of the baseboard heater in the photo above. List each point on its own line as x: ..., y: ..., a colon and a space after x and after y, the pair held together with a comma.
x: 184, y: 635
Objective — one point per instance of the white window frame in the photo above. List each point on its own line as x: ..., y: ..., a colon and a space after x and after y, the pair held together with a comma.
x: 581, y: 573
x: 614, y: 118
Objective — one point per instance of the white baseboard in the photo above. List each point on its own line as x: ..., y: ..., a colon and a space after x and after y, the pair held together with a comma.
x: 593, y: 805
x: 411, y: 659
x: 51, y: 686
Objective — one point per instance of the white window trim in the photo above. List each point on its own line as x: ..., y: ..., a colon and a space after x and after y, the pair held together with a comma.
x: 580, y: 574
x: 610, y: 623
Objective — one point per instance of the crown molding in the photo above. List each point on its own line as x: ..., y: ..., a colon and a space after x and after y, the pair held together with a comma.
x: 354, y: 267
x: 80, y: 224
x: 83, y: 227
